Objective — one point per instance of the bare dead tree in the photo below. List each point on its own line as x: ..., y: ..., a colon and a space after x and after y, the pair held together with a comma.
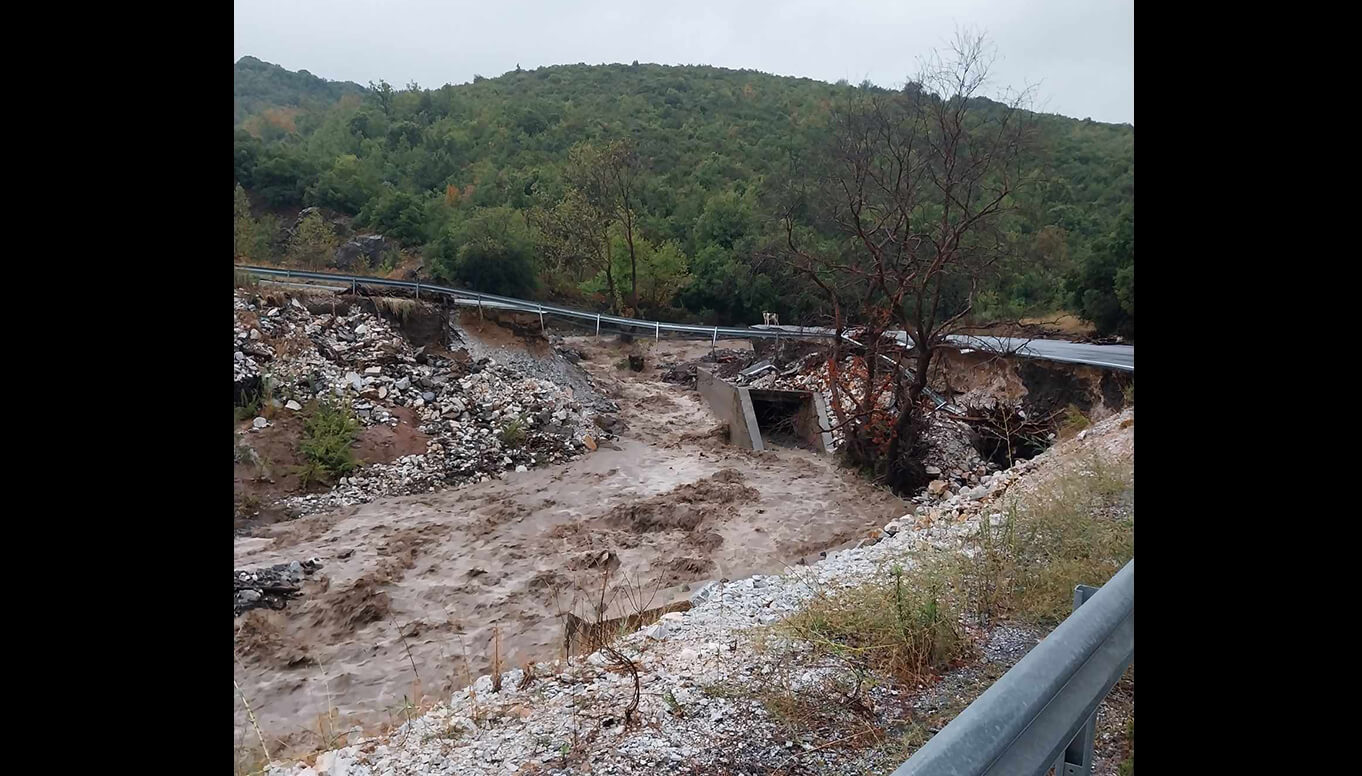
x: 915, y: 183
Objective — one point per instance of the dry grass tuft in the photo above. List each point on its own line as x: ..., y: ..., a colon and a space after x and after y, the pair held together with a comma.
x: 898, y: 624
x: 395, y: 306
x: 1080, y: 529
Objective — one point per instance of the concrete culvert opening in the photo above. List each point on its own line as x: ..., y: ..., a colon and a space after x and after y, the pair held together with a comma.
x: 787, y: 418
x: 776, y: 419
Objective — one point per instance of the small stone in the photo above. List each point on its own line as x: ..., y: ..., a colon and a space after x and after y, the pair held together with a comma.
x: 521, y: 468
x: 428, y: 397
x: 589, y: 441
x: 255, y: 334
x: 937, y: 487
x: 374, y: 370
x: 293, y: 405
x: 403, y: 384
x: 933, y: 471
x: 260, y: 423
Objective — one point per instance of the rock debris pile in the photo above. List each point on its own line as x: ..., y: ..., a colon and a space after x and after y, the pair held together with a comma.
x: 270, y: 587
x: 481, y: 416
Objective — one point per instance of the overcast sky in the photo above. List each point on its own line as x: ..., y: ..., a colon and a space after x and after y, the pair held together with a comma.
x: 1079, y: 54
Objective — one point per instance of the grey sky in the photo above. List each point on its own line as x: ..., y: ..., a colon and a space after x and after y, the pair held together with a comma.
x: 1080, y: 54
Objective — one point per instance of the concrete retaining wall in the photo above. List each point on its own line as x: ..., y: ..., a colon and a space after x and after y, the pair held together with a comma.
x: 732, y: 405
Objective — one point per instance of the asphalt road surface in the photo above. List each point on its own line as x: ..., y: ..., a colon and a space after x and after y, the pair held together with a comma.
x: 1109, y: 356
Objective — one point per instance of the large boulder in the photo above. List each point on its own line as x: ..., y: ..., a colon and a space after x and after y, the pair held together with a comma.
x: 366, y: 247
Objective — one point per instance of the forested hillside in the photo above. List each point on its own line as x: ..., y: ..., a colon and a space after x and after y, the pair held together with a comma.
x: 491, y: 184
x: 258, y: 87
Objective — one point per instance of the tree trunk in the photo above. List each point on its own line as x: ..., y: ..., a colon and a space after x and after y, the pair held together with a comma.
x: 610, y: 278
x: 633, y: 263
x: 905, y: 475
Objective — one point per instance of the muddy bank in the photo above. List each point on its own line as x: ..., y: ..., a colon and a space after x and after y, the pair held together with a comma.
x: 420, y: 594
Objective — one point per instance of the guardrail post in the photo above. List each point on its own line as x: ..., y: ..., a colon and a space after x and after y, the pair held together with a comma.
x: 1076, y: 759
x: 657, y: 331
x: 479, y: 296
x: 598, y: 324
x: 542, y: 330
x: 418, y: 290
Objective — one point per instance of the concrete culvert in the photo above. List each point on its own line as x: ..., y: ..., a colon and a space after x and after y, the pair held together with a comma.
x: 753, y: 416
x: 793, y: 418
x: 784, y: 418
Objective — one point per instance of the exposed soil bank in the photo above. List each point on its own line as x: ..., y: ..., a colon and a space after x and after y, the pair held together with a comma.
x: 414, y: 587
x: 979, y: 379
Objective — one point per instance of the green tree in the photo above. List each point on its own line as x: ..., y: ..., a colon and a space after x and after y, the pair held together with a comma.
x: 492, y: 251
x: 383, y: 95
x: 609, y: 176
x: 576, y: 232
x: 245, y: 227
x: 1125, y: 289
x: 574, y: 240
x: 346, y: 187
x: 313, y: 243
x: 1103, y: 288
x: 663, y: 272
x: 397, y: 214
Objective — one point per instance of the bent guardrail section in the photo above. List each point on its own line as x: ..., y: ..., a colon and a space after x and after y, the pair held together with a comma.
x: 1041, y: 714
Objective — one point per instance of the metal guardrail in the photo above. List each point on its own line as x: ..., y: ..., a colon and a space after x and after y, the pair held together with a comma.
x: 1042, y: 713
x: 464, y: 296
x: 541, y: 309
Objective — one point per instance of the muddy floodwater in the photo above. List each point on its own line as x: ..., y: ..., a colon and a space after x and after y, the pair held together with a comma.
x: 418, y: 595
